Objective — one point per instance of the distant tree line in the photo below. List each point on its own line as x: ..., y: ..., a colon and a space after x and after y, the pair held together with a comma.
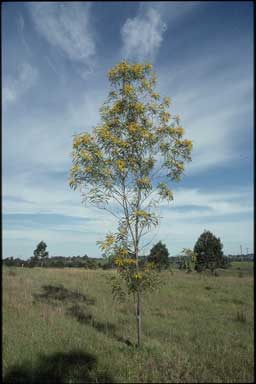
x: 248, y: 257
x: 41, y: 258
x: 207, y: 254
x: 56, y: 262
x: 179, y: 262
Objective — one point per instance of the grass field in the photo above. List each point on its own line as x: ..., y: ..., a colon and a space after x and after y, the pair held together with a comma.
x: 61, y: 325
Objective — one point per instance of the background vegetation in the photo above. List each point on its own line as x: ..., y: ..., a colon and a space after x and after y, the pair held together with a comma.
x: 63, y: 325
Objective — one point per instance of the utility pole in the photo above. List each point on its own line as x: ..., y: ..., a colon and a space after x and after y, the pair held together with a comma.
x: 247, y: 251
x: 241, y: 249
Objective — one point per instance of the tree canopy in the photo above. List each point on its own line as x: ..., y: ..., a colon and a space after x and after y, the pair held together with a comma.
x: 208, y: 249
x: 136, y: 150
x: 159, y: 255
x: 40, y: 251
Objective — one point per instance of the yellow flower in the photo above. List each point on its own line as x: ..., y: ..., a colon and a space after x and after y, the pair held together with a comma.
x: 71, y: 181
x: 142, y: 214
x: 144, y: 181
x: 145, y: 84
x: 123, y: 252
x: 180, y: 131
x: 146, y: 134
x: 139, y: 107
x: 110, y: 239
x: 120, y: 165
x: 188, y: 143
x: 130, y: 261
x: 117, y: 108
x: 137, y: 69
x: 86, y: 155
x: 155, y: 95
x: 119, y: 262
x: 132, y: 128
x: 167, y: 100
x: 166, y: 116
x: 86, y: 138
x: 128, y: 89
x: 137, y: 276
x: 103, y: 132
x: 171, y: 130
x: 75, y: 169
x: 180, y: 166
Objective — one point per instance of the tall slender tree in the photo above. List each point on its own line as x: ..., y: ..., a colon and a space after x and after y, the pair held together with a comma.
x: 127, y: 164
x: 40, y: 253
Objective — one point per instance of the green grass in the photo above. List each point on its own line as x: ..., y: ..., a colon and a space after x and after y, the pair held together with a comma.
x: 62, y: 325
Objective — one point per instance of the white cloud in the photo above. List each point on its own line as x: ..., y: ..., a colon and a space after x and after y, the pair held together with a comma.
x: 227, y: 214
x: 21, y: 27
x: 172, y: 11
x: 217, y: 203
x: 178, y: 235
x: 15, y: 87
x: 215, y: 109
x: 183, y: 220
x: 52, y: 197
x: 45, y: 140
x: 143, y: 35
x: 66, y: 26
x: 210, y: 91
x: 85, y: 113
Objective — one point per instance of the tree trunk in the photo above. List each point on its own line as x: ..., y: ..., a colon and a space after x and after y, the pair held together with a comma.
x: 138, y: 309
x: 138, y: 317
x: 138, y: 304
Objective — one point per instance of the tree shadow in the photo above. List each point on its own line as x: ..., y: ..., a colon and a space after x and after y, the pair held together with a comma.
x: 51, y: 293
x: 107, y: 328
x: 71, y: 367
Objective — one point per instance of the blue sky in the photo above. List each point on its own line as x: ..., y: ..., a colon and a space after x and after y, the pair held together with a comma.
x: 55, y: 60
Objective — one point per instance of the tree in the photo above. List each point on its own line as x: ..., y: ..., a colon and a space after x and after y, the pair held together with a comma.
x: 208, y: 249
x: 126, y: 165
x: 40, y: 253
x: 159, y: 255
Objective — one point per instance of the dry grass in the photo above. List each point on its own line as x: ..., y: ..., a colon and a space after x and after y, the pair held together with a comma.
x: 196, y: 328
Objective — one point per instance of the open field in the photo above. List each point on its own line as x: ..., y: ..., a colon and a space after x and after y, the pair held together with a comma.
x: 61, y: 325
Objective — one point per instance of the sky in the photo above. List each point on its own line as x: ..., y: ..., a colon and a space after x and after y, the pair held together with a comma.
x: 55, y: 59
